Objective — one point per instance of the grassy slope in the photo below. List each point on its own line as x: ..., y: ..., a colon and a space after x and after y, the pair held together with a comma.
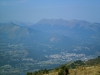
x: 90, y: 67
x: 81, y: 70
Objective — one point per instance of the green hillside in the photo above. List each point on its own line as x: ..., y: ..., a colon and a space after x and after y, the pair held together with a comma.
x: 93, y: 61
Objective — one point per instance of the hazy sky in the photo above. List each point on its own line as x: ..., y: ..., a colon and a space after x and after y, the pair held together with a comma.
x: 35, y: 10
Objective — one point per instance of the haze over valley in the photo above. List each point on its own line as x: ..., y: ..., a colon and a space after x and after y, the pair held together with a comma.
x: 46, y: 44
x: 44, y: 34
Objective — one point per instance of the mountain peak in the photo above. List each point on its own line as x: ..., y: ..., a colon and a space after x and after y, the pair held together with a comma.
x: 52, y: 22
x: 62, y: 22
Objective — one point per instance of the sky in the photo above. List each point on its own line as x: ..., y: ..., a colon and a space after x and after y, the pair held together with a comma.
x: 34, y: 10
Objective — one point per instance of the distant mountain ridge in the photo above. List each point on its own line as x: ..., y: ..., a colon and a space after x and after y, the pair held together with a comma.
x: 73, y: 28
x: 61, y: 22
x: 70, y: 23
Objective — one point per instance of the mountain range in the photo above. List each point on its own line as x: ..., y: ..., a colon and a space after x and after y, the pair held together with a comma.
x: 46, y: 44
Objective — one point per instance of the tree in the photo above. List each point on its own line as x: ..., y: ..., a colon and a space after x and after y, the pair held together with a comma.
x: 45, y: 71
x: 29, y: 73
x: 66, y: 71
x: 61, y: 72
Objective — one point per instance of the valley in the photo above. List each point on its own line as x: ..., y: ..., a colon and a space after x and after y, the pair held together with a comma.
x: 46, y: 44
